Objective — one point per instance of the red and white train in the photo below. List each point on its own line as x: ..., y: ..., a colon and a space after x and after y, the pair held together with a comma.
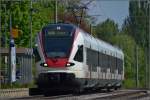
x: 72, y: 59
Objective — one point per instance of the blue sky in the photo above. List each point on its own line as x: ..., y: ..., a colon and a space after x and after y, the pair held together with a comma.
x: 113, y: 9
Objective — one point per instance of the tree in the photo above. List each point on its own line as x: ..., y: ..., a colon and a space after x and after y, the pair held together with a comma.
x: 42, y: 14
x: 18, y: 11
x: 137, y: 22
x: 106, y: 30
x: 136, y: 26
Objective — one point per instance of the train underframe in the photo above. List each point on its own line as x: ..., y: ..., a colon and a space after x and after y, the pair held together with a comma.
x: 50, y: 82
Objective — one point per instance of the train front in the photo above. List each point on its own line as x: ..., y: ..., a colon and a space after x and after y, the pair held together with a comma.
x: 54, y: 47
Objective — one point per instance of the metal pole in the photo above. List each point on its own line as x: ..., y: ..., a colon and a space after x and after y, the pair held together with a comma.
x: 91, y: 29
x: 31, y: 31
x: 146, y: 54
x: 149, y: 43
x: 0, y: 40
x: 5, y: 27
x: 12, y: 54
x: 147, y: 49
x: 9, y: 69
x: 31, y: 23
x: 146, y: 62
x: 56, y: 18
x: 137, y: 68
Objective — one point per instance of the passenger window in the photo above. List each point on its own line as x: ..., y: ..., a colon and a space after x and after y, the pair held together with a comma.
x: 79, y: 55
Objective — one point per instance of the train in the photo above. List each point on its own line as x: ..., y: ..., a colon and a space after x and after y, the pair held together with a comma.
x: 69, y: 58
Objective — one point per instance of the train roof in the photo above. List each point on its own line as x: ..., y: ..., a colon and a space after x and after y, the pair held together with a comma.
x: 102, y: 46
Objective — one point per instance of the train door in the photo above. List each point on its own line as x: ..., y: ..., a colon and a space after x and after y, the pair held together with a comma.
x: 79, y: 62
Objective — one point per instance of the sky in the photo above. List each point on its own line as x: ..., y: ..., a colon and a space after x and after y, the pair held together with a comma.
x: 113, y: 9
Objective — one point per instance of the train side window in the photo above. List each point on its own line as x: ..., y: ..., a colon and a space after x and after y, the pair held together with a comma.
x: 103, y: 63
x: 120, y: 66
x: 113, y: 64
x: 88, y: 56
x: 100, y: 59
x: 79, y: 55
x: 108, y: 62
x: 111, y: 68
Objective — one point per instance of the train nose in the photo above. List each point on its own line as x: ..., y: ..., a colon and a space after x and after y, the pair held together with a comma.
x: 57, y: 62
x: 54, y: 79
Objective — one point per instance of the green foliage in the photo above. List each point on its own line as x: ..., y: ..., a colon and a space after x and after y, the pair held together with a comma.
x: 42, y: 13
x: 129, y: 83
x: 16, y: 85
x: 142, y: 67
x: 19, y: 13
x: 137, y: 22
x: 106, y: 29
x: 136, y: 26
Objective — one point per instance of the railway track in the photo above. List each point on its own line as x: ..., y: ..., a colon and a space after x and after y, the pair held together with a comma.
x: 102, y: 95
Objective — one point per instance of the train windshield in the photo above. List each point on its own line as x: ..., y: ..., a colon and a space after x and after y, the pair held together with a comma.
x: 57, y: 42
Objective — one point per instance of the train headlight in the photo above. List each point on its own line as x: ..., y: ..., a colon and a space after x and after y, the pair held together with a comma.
x: 69, y: 64
x: 44, y: 65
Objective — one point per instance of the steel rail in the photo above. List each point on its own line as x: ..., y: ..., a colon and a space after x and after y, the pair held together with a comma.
x: 85, y: 96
